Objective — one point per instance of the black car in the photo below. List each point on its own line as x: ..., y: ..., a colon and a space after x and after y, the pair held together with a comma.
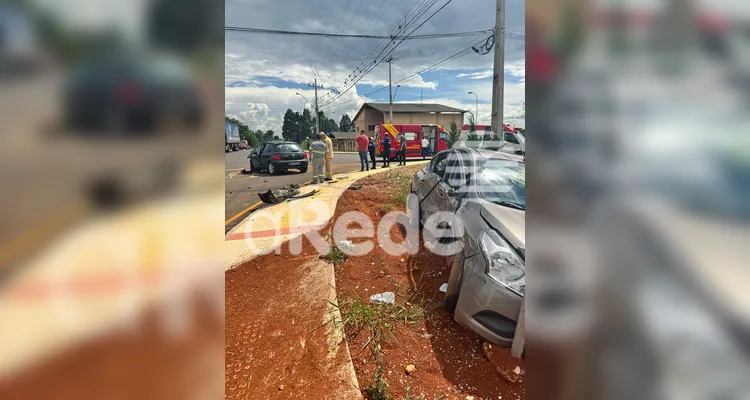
x: 278, y: 156
x: 132, y: 91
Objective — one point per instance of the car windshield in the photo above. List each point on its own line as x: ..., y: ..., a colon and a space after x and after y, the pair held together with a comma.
x: 503, y: 182
x: 289, y: 148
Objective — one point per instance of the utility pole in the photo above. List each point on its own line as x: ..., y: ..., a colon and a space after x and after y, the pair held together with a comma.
x: 498, y: 75
x: 317, y: 114
x: 390, y: 93
x: 421, y: 96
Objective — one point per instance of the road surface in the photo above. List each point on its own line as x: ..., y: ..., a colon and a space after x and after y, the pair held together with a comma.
x: 241, y: 190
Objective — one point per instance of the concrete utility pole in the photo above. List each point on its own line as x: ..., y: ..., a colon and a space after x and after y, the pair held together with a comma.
x: 498, y: 75
x: 390, y: 93
x: 317, y: 115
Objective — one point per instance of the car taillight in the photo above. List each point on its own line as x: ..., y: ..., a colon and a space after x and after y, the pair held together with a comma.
x: 276, y: 157
x: 129, y: 92
x: 304, y: 155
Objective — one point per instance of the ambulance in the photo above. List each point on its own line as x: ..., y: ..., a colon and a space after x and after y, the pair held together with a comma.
x: 435, y: 135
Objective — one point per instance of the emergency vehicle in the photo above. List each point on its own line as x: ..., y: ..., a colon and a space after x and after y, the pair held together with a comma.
x: 435, y: 134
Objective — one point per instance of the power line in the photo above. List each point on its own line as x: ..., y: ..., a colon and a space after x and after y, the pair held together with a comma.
x: 401, y: 27
x: 346, y: 57
x: 376, y: 63
x: 337, y: 30
x: 394, y: 37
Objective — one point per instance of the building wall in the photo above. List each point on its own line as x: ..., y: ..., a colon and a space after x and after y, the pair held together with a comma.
x: 445, y: 120
x: 367, y: 118
x: 370, y: 117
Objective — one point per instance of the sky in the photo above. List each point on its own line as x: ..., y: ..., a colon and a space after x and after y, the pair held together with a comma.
x: 263, y: 72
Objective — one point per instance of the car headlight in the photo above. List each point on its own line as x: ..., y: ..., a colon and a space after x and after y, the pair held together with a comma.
x: 503, y: 264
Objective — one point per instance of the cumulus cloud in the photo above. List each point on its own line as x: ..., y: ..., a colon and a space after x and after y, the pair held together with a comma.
x: 295, y: 61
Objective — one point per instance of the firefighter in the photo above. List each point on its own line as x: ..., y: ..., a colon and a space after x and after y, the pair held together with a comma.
x: 329, y: 158
x: 318, y: 151
x: 387, y: 150
x: 371, y: 148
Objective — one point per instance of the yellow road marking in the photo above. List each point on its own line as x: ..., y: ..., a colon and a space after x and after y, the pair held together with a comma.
x: 239, y: 214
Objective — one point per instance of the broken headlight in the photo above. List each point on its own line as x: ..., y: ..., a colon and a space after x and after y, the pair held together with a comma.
x: 503, y: 264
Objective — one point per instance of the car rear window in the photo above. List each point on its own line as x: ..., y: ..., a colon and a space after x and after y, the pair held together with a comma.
x: 289, y: 148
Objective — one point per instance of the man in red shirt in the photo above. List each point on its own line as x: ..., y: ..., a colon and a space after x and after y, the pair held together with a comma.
x: 362, y: 143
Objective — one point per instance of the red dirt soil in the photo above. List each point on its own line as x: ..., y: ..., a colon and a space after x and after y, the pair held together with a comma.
x: 449, y: 359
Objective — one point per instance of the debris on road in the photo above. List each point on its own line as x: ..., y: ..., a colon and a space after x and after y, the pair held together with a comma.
x: 355, y: 187
x: 383, y: 298
x: 271, y: 196
x: 410, y: 368
x: 444, y: 287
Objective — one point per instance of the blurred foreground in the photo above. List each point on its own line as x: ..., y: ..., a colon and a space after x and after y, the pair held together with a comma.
x: 638, y: 200
x: 110, y: 277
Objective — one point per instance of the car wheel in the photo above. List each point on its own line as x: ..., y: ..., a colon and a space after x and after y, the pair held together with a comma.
x: 252, y: 167
x: 272, y: 169
x: 454, y: 284
x: 303, y: 170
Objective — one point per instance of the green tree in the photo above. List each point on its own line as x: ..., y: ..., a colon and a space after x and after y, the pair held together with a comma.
x: 290, y: 129
x: 269, y: 135
x: 307, y: 126
x: 346, y: 124
x: 472, y: 123
x: 453, y: 134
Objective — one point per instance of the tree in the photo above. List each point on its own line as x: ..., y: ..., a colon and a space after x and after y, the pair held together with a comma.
x: 289, y: 129
x: 346, y: 124
x: 472, y: 123
x: 269, y: 135
x: 307, y: 127
x: 454, y: 134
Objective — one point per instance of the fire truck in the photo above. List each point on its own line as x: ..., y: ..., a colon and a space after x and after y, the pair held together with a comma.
x: 435, y: 134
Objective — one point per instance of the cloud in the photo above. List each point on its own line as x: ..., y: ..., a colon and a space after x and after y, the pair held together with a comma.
x: 477, y: 75
x: 295, y: 61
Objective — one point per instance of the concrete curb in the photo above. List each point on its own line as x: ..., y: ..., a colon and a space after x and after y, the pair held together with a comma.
x: 256, y: 234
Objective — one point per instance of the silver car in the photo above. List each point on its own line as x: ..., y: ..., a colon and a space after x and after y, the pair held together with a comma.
x: 472, y: 204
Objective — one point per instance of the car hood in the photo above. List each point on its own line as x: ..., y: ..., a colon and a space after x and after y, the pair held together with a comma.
x: 511, y: 223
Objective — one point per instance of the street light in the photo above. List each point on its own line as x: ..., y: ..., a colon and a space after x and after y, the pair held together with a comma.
x: 476, y: 108
x: 300, y: 94
x: 394, y: 93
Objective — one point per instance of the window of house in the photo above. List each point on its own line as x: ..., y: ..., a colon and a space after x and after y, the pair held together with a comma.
x: 370, y: 127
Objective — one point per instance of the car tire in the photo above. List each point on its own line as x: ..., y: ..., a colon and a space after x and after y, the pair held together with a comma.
x: 303, y: 170
x: 454, y: 284
x: 272, y: 169
x: 252, y: 167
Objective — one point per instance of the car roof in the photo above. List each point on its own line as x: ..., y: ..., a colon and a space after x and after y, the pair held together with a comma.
x: 279, y: 142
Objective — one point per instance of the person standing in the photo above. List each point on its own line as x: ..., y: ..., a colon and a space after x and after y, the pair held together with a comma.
x: 371, y: 147
x: 387, y: 150
x: 362, y: 143
x: 401, y: 149
x: 425, y: 148
x: 329, y: 157
x: 318, y: 151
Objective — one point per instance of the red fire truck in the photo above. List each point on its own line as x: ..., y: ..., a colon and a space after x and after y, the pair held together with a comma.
x: 435, y: 135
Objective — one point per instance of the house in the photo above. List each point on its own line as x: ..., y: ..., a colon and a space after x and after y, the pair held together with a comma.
x: 371, y: 114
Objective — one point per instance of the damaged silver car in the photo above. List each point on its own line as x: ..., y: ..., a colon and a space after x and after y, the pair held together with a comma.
x: 479, y: 198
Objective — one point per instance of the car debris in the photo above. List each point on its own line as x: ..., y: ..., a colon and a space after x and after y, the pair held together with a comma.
x: 383, y: 298
x: 444, y: 287
x: 289, y: 192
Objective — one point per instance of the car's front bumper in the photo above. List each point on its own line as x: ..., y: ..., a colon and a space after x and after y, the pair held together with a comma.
x: 484, y: 306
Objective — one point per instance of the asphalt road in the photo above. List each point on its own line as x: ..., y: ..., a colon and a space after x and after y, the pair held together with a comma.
x: 241, y: 190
